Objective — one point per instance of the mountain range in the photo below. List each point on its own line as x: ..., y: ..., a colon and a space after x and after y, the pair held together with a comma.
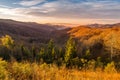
x: 27, y: 31
x: 96, y: 37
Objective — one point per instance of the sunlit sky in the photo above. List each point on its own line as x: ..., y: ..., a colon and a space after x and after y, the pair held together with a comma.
x: 61, y: 11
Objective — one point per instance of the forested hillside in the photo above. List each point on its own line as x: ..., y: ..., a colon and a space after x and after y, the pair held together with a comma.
x: 82, y: 48
x: 101, y: 40
x: 27, y: 32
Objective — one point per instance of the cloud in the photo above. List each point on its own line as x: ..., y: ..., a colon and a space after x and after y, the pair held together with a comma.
x: 30, y: 2
x: 4, y: 6
x: 6, y: 11
x: 66, y: 9
x: 99, y: 10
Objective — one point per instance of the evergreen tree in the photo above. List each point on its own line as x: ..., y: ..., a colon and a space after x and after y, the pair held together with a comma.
x: 25, y: 53
x: 70, y: 51
x: 42, y: 54
x: 33, y: 52
x: 49, y: 54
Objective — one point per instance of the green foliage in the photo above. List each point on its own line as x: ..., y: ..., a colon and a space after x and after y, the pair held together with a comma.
x: 33, y: 51
x: 41, y: 55
x: 5, y: 52
x: 70, y: 51
x: 49, y: 54
x: 42, y: 51
x: 84, y: 62
x: 91, y: 64
x: 99, y: 63
x: 87, y: 54
x: 26, y: 53
x: 17, y: 53
x: 76, y: 62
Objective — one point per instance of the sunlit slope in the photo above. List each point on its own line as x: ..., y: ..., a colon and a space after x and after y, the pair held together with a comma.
x: 99, y: 39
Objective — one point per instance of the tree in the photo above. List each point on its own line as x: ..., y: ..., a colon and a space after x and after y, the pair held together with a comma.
x: 49, y: 54
x: 110, y: 68
x: 87, y: 54
x: 70, y: 51
x: 25, y: 53
x: 33, y: 52
x: 41, y: 54
x: 113, y: 43
x: 7, y: 41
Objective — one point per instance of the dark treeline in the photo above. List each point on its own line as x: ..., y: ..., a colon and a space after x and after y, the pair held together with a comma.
x: 49, y: 53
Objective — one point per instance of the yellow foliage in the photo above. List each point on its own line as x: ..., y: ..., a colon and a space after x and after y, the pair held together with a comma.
x: 110, y: 68
x: 7, y: 41
x: 3, y: 72
x: 34, y: 71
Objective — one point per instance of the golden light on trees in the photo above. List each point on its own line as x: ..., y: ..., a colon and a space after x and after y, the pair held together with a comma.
x: 7, y: 41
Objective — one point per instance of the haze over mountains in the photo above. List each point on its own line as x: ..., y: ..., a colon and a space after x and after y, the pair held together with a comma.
x: 26, y: 30
x: 36, y: 31
x: 97, y: 37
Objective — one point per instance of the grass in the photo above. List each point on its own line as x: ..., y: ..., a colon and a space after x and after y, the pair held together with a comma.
x: 34, y: 71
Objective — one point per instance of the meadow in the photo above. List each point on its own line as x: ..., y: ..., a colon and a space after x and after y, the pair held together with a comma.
x: 34, y: 71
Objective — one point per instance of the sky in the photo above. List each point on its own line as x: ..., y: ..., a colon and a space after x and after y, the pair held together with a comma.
x: 62, y: 11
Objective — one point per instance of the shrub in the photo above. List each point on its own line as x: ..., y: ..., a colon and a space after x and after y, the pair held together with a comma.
x: 7, y: 41
x: 3, y: 70
x: 110, y: 68
x: 91, y: 64
x: 21, y: 71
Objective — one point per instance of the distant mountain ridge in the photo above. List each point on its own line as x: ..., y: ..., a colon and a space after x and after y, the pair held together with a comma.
x: 39, y: 33
x: 96, y: 37
x: 26, y: 30
x: 103, y: 25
